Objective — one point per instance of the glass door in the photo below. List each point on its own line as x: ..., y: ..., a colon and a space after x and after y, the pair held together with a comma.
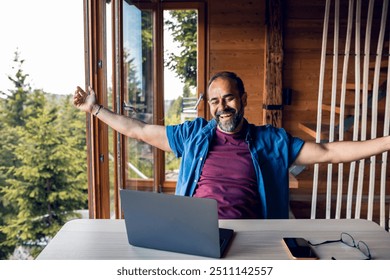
x: 163, y: 78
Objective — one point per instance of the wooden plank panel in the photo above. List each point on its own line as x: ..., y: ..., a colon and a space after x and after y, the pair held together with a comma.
x: 239, y: 60
x: 236, y: 43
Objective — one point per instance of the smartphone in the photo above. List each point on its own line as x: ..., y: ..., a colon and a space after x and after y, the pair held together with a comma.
x: 299, y: 249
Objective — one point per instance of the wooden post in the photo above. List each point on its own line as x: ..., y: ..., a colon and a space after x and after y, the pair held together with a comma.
x: 272, y: 97
x: 364, y: 105
x: 386, y: 128
x: 117, y: 78
x: 342, y: 106
x: 357, y: 106
x: 333, y: 103
x: 97, y: 131
x: 374, y: 112
x: 319, y: 108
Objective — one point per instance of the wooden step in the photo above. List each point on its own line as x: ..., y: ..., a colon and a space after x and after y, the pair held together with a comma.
x: 351, y: 86
x: 348, y: 109
x: 383, y: 67
x: 311, y: 129
x: 293, y: 182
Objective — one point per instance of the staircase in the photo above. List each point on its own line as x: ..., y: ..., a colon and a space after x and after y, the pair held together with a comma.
x: 310, y: 128
x: 301, y: 197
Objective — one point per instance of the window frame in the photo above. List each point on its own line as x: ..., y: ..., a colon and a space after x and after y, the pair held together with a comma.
x: 159, y: 183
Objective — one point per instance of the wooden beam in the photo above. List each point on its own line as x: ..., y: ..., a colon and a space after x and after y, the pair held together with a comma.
x: 97, y: 138
x: 272, y: 97
x: 119, y: 140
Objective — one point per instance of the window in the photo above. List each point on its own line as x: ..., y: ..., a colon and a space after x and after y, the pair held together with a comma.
x: 128, y: 66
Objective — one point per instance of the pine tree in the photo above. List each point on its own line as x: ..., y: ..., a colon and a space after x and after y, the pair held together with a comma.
x: 11, y: 116
x: 7, y: 139
x: 43, y: 177
x: 50, y: 183
x: 14, y: 104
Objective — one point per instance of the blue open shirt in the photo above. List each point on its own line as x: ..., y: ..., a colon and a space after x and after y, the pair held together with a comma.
x: 272, y: 149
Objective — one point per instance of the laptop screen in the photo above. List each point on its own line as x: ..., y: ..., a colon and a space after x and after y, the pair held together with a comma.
x: 172, y: 223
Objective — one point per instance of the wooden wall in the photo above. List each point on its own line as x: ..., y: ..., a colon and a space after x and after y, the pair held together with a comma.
x: 302, y: 53
x: 236, y: 43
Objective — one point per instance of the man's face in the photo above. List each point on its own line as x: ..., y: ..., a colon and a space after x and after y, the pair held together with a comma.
x: 226, y: 105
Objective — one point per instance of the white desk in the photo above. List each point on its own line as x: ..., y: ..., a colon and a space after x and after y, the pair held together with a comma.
x: 254, y: 239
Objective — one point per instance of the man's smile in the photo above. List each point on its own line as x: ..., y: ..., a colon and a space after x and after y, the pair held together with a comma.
x: 223, y: 116
x: 226, y: 114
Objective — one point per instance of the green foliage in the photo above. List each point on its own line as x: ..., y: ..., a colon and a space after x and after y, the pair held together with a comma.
x: 184, y: 31
x: 7, y: 160
x: 43, y: 171
x: 146, y: 34
x: 172, y: 117
x: 13, y: 107
x: 173, y: 114
x: 133, y: 83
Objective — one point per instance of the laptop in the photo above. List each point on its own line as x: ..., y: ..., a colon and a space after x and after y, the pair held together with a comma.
x: 174, y: 223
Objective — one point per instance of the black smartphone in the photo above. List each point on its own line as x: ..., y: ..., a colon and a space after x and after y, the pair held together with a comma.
x: 299, y: 249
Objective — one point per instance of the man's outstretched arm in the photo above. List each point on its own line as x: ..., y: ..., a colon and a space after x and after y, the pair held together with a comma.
x: 154, y: 135
x: 343, y: 151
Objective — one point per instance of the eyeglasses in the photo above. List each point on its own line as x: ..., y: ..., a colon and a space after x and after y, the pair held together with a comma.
x: 347, y: 239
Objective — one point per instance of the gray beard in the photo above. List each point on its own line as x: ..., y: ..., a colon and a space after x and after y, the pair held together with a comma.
x: 230, y: 125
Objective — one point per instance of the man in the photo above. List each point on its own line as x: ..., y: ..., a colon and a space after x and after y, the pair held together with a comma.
x: 242, y: 166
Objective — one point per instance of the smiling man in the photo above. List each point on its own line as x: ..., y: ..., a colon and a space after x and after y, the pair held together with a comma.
x: 242, y: 166
x: 227, y: 100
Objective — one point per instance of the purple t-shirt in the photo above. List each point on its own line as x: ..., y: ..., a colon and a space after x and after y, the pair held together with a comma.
x: 228, y: 176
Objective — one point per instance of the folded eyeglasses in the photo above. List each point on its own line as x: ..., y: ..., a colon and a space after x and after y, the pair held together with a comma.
x: 347, y: 239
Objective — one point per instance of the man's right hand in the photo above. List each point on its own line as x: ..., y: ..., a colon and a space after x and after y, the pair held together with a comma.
x: 154, y: 135
x: 83, y: 100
